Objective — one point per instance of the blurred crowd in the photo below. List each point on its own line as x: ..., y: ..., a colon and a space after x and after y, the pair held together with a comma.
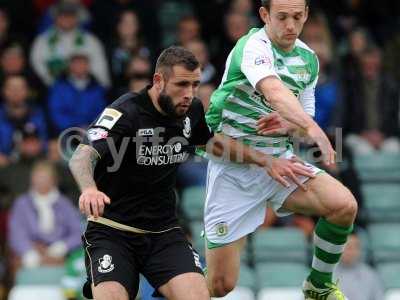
x: 62, y: 62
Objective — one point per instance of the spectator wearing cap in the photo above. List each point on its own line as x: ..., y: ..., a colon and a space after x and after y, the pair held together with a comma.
x: 76, y: 98
x: 51, y: 49
x: 44, y: 226
x: 15, y: 113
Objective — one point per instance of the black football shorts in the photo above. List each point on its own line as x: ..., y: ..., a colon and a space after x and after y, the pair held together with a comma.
x: 115, y: 255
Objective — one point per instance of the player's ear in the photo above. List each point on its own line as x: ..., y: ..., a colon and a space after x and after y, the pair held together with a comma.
x: 263, y: 14
x: 306, y: 14
x: 158, y: 81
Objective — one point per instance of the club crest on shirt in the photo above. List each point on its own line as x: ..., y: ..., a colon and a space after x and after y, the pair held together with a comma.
x: 105, y: 264
x: 187, y: 130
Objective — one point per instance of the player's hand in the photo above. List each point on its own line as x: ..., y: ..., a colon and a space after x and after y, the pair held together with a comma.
x: 92, y: 202
x: 317, y: 135
x: 282, y: 169
x: 273, y: 124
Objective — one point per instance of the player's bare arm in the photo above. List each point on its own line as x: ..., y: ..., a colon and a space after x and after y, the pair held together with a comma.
x: 287, y: 105
x: 82, y: 165
x: 278, y: 168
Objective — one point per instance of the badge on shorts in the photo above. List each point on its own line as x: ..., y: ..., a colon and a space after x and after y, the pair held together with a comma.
x: 105, y: 264
x: 222, y: 229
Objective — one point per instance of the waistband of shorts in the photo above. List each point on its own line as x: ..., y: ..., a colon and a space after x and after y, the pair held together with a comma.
x: 123, y: 227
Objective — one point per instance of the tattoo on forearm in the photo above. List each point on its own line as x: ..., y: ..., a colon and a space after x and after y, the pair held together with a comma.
x: 82, y: 166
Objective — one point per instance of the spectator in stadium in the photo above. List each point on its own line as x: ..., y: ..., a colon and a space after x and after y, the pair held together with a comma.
x: 236, y: 25
x: 138, y: 83
x: 357, y: 41
x: 189, y: 29
x: 30, y: 149
x: 208, y: 71
x: 138, y: 70
x: 48, y: 16
x: 13, y: 62
x: 371, y: 106
x: 7, y: 37
x: 77, y: 98
x: 15, y: 113
x: 51, y: 50
x: 169, y: 14
x: 245, y: 7
x: 352, y: 270
x: 127, y: 42
x: 317, y: 35
x: 106, y: 14
x: 43, y: 226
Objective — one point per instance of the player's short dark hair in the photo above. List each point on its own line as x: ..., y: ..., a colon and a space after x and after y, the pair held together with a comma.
x: 176, y: 56
x: 267, y: 3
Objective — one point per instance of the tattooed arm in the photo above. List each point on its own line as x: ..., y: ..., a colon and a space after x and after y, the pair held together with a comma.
x: 82, y: 164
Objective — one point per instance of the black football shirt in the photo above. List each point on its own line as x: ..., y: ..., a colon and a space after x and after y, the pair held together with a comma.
x: 140, y: 150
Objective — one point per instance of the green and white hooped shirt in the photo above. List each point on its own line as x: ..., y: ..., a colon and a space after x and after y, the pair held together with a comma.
x: 236, y: 105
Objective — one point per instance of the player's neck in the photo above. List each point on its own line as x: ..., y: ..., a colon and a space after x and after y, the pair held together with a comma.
x: 154, y: 95
x: 276, y: 43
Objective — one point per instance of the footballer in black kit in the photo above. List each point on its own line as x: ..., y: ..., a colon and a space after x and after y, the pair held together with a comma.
x: 138, y: 149
x: 142, y: 186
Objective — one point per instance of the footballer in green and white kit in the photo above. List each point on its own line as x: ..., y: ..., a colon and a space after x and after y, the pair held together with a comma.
x: 271, y: 75
x: 236, y: 193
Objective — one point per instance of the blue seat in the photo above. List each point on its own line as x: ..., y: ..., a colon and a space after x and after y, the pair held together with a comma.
x: 286, y: 244
x: 385, y: 242
x: 281, y: 274
x: 382, y: 201
x: 40, y: 276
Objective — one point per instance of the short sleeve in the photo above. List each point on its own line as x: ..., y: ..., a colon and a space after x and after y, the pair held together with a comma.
x: 109, y: 127
x: 258, y: 60
x: 307, y: 96
x: 201, y: 133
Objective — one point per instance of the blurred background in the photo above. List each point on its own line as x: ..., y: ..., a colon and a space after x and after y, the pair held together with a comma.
x: 62, y: 62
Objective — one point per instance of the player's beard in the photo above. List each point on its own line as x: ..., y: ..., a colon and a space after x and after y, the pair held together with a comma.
x: 166, y: 104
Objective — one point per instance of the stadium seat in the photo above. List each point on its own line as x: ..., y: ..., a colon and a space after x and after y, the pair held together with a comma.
x: 392, y: 294
x: 193, y: 202
x: 40, y: 276
x: 365, y: 244
x: 247, y: 277
x: 280, y: 294
x: 281, y: 274
x: 390, y: 274
x: 378, y: 167
x: 385, y: 242
x: 381, y: 201
x: 36, y: 292
x: 280, y: 244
